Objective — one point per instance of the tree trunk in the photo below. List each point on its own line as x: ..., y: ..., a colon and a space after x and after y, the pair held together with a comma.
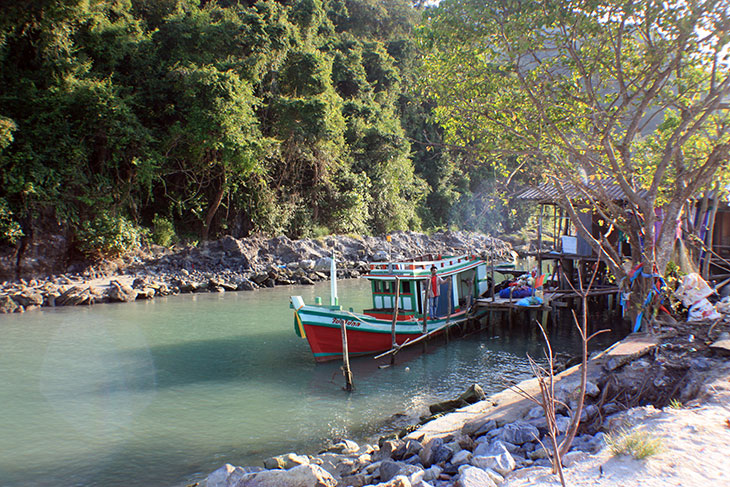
x: 213, y: 208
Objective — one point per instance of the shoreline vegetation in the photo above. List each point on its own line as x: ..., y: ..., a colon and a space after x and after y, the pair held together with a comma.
x: 655, y: 414
x: 231, y: 264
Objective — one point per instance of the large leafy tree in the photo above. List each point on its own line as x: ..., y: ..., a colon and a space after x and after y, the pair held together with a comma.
x: 592, y: 95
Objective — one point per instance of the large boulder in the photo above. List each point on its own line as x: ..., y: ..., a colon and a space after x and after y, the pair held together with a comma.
x: 519, y: 433
x: 120, y: 292
x: 285, y: 462
x: 74, y: 296
x: 7, y: 305
x: 390, y: 469
x: 301, y: 476
x: 229, y: 476
x: 473, y: 394
x: 28, y: 297
x: 474, y: 477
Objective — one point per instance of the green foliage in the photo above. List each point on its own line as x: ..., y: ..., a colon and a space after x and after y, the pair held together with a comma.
x: 675, y: 404
x: 7, y: 127
x: 588, y: 95
x: 10, y: 231
x: 635, y: 442
x: 226, y: 117
x: 163, y: 231
x: 108, y: 236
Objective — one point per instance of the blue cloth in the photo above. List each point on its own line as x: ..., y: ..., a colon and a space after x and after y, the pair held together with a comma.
x: 518, y: 293
x: 531, y: 301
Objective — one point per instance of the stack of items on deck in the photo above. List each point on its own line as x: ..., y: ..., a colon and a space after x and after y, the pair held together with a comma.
x: 694, y: 293
x: 523, y: 288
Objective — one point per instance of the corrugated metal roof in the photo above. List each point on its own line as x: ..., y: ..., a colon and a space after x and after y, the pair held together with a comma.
x: 546, y: 192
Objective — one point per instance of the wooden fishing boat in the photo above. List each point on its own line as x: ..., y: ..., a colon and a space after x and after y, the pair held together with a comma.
x: 462, y: 279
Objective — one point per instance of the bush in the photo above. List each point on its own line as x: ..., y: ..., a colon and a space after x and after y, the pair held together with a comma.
x: 638, y: 443
x: 108, y: 236
x: 10, y: 230
x: 163, y: 231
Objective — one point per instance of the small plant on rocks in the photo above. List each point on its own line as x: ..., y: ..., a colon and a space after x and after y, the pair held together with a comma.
x: 676, y: 404
x: 637, y: 443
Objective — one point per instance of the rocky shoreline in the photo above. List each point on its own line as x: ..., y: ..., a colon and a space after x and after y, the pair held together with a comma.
x: 500, y: 440
x: 231, y: 264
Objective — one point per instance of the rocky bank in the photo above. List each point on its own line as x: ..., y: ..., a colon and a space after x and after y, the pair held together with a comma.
x: 675, y: 385
x: 231, y: 264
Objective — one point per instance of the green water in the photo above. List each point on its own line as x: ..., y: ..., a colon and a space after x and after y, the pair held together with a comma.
x: 161, y: 393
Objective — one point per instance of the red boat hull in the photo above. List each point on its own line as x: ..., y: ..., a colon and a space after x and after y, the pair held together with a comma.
x: 326, y: 342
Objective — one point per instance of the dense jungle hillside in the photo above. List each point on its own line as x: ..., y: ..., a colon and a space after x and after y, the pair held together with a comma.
x: 125, y: 120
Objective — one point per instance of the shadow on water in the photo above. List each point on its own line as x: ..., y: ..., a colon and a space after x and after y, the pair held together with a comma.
x: 230, y: 360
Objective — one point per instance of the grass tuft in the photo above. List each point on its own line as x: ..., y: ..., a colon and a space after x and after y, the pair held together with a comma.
x: 637, y: 443
x: 676, y: 404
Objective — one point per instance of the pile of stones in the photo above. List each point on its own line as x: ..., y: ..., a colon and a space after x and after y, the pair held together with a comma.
x: 233, y: 264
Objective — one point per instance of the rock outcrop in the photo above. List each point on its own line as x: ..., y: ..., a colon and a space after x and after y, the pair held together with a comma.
x: 233, y: 264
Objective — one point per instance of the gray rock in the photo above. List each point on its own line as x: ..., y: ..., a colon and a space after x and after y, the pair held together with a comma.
x: 502, y: 464
x: 344, y: 447
x: 562, y: 423
x: 307, y: 264
x: 380, y: 256
x: 573, y: 457
x: 478, y: 427
x: 495, y: 448
x: 121, y: 292
x: 442, y: 454
x: 301, y: 476
x: 474, y: 477
x: 411, y: 447
x: 399, y: 481
x: 427, y: 453
x: 7, y: 305
x: 390, y: 469
x: 536, y: 412
x: 461, y: 457
x: 29, y: 297
x: 229, y: 476
x: 390, y: 449
x: 432, y: 473
x: 519, y: 433
x: 323, y: 265
x: 589, y: 411
x: 285, y: 462
x: 473, y: 394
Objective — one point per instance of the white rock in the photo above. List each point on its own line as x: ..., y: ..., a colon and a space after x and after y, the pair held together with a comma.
x: 503, y: 464
x: 573, y: 457
x: 226, y: 476
x: 432, y: 473
x: 474, y: 477
x: 461, y: 457
x: 301, y: 476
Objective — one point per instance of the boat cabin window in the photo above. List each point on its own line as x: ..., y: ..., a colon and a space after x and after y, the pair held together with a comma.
x: 385, y: 287
x: 405, y: 287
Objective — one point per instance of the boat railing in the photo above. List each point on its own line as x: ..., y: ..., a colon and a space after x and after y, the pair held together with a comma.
x: 422, y: 265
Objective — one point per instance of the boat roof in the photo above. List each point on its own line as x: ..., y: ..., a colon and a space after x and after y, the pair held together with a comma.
x: 421, y: 269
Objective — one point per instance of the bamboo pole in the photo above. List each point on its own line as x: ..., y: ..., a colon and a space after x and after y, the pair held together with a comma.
x: 451, y: 302
x: 426, y: 304
x: 395, y: 318
x: 346, y: 358
x: 710, y: 237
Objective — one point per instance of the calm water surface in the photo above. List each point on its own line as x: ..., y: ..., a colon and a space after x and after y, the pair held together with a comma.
x: 162, y: 393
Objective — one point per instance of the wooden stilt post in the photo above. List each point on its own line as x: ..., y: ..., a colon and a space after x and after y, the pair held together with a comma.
x: 448, y: 317
x: 395, y: 318
x: 346, y: 359
x: 426, y: 305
